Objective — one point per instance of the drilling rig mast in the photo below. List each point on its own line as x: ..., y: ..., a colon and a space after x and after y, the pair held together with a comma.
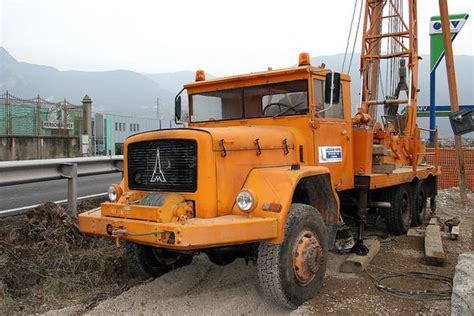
x: 389, y: 42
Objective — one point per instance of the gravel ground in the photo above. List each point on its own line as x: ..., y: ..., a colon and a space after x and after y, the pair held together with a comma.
x: 204, y: 288
x: 201, y: 288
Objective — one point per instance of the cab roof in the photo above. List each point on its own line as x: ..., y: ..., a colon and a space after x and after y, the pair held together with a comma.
x: 263, y: 74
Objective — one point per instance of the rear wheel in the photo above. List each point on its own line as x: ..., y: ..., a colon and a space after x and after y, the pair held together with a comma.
x: 293, y: 272
x: 150, y: 262
x: 419, y: 203
x: 398, y: 218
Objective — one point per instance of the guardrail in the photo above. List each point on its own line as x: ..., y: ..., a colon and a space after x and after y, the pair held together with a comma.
x: 28, y: 171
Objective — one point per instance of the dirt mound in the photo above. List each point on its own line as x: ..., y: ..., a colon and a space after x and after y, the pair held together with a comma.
x: 50, y: 224
x: 46, y: 263
x: 449, y: 203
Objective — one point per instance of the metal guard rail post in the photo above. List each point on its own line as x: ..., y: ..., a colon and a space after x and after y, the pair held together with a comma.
x: 28, y: 171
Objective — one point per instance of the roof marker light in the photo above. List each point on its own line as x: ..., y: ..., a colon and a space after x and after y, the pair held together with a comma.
x: 304, y: 59
x: 200, y: 75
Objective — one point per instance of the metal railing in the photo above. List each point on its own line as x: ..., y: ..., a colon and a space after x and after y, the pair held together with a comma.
x: 28, y: 171
x: 435, y: 144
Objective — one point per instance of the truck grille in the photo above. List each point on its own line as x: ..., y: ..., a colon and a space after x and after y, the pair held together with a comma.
x: 163, y: 165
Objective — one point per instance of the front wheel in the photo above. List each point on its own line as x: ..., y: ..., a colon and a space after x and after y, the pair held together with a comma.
x: 150, y: 262
x: 293, y: 272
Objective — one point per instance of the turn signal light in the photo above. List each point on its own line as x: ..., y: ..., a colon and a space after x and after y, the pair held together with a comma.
x: 304, y: 60
x: 200, y: 75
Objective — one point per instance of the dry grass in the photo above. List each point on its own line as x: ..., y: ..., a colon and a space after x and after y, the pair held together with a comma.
x: 46, y: 263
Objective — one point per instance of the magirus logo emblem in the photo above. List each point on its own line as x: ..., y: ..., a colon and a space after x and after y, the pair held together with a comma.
x: 158, y: 175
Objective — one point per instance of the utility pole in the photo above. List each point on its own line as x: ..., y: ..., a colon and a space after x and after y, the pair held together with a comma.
x: 453, y: 92
x: 158, y: 108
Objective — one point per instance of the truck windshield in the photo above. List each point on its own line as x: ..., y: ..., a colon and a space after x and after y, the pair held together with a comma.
x: 271, y: 100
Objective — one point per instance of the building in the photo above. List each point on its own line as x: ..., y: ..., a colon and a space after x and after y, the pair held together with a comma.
x: 39, y: 129
x: 110, y: 131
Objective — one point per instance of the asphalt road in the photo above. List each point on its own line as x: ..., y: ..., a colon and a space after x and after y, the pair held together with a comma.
x: 15, y: 196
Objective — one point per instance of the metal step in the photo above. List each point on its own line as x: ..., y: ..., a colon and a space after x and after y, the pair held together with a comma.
x: 380, y: 150
x: 383, y: 168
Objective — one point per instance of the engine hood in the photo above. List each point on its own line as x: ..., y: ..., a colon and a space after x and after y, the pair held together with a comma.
x: 238, y: 150
x: 257, y: 139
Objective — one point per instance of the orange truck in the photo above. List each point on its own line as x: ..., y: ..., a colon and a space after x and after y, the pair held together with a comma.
x: 268, y: 168
x: 263, y: 172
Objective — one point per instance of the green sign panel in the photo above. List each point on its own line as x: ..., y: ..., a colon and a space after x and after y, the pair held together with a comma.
x: 457, y: 21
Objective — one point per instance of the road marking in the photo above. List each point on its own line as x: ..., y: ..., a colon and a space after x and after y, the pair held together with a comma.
x: 19, y: 210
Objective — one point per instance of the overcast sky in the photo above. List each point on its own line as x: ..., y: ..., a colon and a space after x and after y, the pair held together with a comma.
x: 222, y: 37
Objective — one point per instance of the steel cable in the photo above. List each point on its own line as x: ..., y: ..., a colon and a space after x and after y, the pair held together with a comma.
x: 349, y: 36
x: 356, y: 35
x: 430, y: 294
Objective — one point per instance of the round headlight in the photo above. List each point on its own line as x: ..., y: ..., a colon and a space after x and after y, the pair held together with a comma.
x: 114, y: 192
x: 245, y: 201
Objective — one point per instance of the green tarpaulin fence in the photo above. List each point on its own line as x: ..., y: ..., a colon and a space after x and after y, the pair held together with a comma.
x: 38, y: 117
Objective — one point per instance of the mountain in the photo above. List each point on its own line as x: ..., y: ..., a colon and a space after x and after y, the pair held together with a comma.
x: 174, y: 81
x: 120, y: 91
x: 130, y: 93
x: 171, y: 81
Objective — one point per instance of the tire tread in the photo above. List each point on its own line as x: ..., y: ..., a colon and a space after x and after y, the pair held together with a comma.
x: 393, y: 218
x: 269, y: 268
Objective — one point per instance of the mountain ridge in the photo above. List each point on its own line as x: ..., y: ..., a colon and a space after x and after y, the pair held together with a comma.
x: 130, y: 93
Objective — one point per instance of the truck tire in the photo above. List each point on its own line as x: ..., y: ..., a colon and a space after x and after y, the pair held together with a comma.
x: 150, y: 262
x: 398, y: 218
x: 419, y: 204
x: 221, y: 259
x: 288, y: 281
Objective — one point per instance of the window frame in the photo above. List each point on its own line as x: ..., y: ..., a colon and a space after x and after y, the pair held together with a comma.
x: 315, y: 115
x: 309, y: 86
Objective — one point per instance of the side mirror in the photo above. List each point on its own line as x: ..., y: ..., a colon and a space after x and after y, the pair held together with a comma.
x: 332, y: 91
x: 177, y: 108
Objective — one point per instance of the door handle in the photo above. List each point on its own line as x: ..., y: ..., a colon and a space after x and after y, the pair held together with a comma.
x: 346, y: 134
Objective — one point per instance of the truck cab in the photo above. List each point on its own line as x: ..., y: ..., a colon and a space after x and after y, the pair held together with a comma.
x: 297, y: 100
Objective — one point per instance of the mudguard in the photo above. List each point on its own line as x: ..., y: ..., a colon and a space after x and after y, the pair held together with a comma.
x: 274, y: 191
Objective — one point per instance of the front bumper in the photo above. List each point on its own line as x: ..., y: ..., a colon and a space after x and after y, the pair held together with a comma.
x: 195, y: 233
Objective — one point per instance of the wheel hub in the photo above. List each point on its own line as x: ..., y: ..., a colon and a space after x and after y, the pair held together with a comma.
x: 306, y: 257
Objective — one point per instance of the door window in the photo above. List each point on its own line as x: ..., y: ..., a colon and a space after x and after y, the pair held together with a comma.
x: 323, y: 109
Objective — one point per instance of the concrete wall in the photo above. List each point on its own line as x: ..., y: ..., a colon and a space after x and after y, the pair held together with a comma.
x: 28, y: 147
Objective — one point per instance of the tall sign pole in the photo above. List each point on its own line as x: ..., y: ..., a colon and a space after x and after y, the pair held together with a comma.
x: 453, y: 92
x: 437, y: 52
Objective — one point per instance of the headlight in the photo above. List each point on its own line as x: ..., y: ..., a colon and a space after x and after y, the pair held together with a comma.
x: 114, y: 192
x: 245, y: 201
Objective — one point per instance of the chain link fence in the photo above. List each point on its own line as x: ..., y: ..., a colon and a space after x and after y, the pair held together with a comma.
x: 39, y: 117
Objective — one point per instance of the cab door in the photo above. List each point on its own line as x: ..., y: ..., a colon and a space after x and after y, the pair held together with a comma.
x: 332, y: 128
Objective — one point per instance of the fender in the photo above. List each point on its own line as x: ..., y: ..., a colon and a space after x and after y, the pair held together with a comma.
x: 277, y: 185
